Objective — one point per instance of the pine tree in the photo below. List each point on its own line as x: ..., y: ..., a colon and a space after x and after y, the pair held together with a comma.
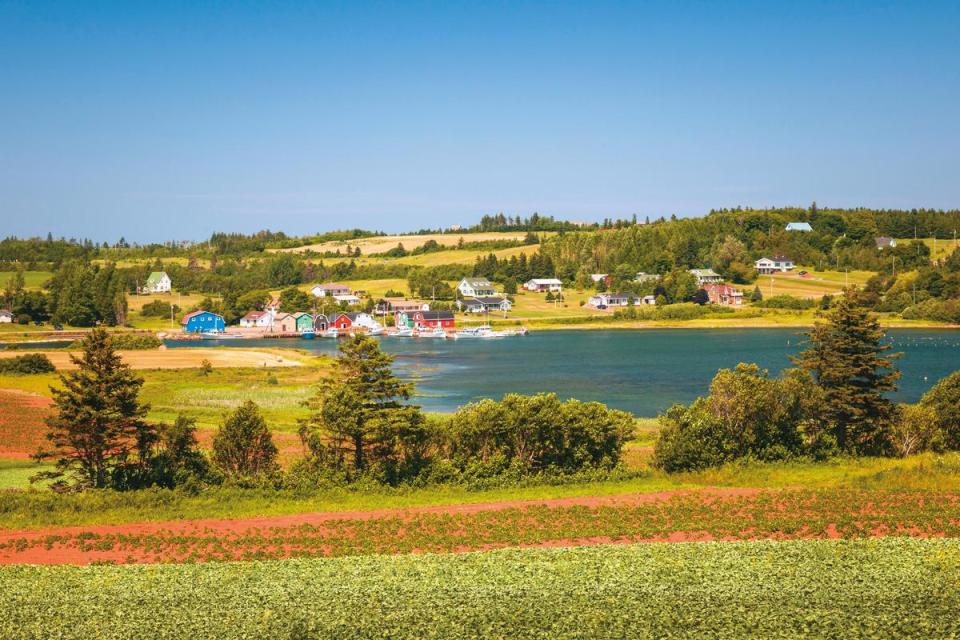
x: 352, y: 406
x: 757, y: 295
x: 98, y: 431
x: 846, y: 359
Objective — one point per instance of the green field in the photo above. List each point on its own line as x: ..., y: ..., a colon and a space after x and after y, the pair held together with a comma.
x: 851, y: 589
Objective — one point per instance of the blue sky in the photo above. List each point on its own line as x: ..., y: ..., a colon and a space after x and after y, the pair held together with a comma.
x: 167, y: 120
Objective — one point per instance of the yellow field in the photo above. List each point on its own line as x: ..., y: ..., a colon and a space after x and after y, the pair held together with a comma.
x: 185, y: 358
x: 382, y: 244
x: 939, y: 249
x: 816, y: 285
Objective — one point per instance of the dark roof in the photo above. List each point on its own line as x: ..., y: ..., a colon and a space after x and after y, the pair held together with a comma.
x: 436, y: 315
x: 491, y: 300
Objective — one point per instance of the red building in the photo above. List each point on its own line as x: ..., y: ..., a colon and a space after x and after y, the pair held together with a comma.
x: 342, y: 322
x: 724, y: 294
x: 433, y: 319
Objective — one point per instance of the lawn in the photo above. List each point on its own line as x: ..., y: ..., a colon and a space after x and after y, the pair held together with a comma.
x: 815, y: 285
x: 838, y: 589
x: 16, y: 474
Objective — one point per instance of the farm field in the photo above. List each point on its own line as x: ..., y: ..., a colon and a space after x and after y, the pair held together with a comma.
x: 815, y: 285
x: 184, y: 358
x: 876, y: 588
x: 382, y: 244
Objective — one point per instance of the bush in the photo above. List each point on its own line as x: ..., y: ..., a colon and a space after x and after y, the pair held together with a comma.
x: 128, y: 341
x: 786, y: 302
x: 916, y: 430
x: 944, y: 400
x: 933, y: 309
x: 159, y: 309
x: 27, y: 364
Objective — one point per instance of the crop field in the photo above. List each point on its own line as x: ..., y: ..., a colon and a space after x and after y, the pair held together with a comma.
x: 893, y: 587
x: 682, y: 516
x: 186, y: 358
x: 22, y: 425
x: 382, y: 244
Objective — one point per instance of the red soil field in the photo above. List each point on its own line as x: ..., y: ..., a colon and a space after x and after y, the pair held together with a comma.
x: 679, y: 516
x: 22, y: 425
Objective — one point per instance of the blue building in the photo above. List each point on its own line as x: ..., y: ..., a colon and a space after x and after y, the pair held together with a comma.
x: 202, y: 322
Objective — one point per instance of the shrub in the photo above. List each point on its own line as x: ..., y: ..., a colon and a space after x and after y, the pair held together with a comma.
x: 27, y: 364
x: 916, y: 430
x: 159, y: 309
x: 934, y: 309
x: 785, y: 302
x: 128, y: 341
x: 944, y: 400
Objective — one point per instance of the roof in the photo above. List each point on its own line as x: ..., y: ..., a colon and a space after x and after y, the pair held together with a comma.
x: 6, y: 312
x: 721, y: 287
x: 332, y: 285
x: 477, y: 282
x: 155, y: 277
x: 884, y: 241
x: 799, y: 226
x: 705, y: 273
x: 299, y: 314
x: 253, y: 315
x: 489, y: 300
x: 612, y: 295
x: 185, y: 319
x: 544, y: 281
x: 436, y: 315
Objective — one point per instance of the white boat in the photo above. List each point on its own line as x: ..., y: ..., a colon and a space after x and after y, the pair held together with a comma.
x: 214, y: 335
x: 403, y: 332
x: 436, y: 332
x: 483, y: 331
x: 375, y: 330
x: 331, y: 333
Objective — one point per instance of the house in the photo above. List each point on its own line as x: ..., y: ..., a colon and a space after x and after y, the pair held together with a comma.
x: 349, y: 298
x: 203, y: 322
x: 724, y: 294
x: 256, y: 319
x: 330, y: 289
x: 433, y: 319
x: 157, y: 282
x: 609, y: 300
x: 476, y: 288
x: 706, y: 276
x: 774, y: 264
x: 320, y: 322
x: 354, y: 321
x: 273, y: 307
x: 597, y: 277
x: 648, y: 300
x: 543, y: 284
x: 646, y: 277
x: 798, y: 226
x: 342, y: 322
x: 285, y: 323
x: 885, y: 243
x: 6, y: 316
x: 483, y: 304
x: 393, y: 305
x: 304, y: 322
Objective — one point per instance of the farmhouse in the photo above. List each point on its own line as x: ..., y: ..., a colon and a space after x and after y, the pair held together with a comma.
x: 798, y: 226
x: 646, y: 277
x: 285, y: 323
x: 256, y: 319
x: 349, y: 298
x: 486, y: 303
x: 476, y: 288
x: 648, y: 300
x: 706, y: 276
x: 393, y: 305
x: 320, y: 322
x: 604, y: 277
x: 157, y: 282
x: 609, y: 300
x: 885, y: 243
x: 774, y: 264
x: 330, y: 289
x: 6, y: 316
x: 543, y: 284
x: 724, y: 294
x: 433, y: 319
x: 203, y: 322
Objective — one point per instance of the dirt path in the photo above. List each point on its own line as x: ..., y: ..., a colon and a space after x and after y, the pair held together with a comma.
x: 183, y: 358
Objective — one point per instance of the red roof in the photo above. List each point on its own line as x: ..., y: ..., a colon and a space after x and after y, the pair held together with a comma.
x: 333, y: 285
x: 185, y: 319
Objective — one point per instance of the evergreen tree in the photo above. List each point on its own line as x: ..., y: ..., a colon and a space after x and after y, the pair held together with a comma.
x: 757, y: 295
x: 98, y: 433
x: 846, y: 358
x: 243, y: 447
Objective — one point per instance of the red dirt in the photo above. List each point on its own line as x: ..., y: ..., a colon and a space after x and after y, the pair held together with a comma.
x: 22, y: 426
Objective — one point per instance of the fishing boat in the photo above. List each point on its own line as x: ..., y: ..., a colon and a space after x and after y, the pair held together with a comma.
x: 483, y: 331
x: 376, y: 330
x: 436, y: 332
x: 308, y: 335
x: 331, y: 333
x: 403, y: 332
x: 216, y: 335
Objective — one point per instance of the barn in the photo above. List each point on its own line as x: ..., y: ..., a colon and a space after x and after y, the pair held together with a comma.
x: 433, y: 319
x: 203, y: 322
x: 320, y: 322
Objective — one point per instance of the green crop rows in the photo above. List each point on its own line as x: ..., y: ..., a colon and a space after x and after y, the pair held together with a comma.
x: 892, y: 587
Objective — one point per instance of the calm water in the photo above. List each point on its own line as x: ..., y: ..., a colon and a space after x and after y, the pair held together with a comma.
x: 640, y: 371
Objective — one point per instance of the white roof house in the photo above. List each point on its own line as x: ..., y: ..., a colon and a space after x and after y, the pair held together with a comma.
x: 543, y: 284
x: 597, y: 277
x: 476, y: 288
x: 798, y: 226
x: 774, y: 264
x: 706, y: 276
x: 157, y: 282
x: 330, y: 289
x: 257, y: 319
x: 609, y: 300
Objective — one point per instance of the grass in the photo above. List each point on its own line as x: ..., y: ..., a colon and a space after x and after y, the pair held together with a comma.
x: 382, y: 244
x: 818, y: 284
x: 15, y: 474
x: 890, y: 588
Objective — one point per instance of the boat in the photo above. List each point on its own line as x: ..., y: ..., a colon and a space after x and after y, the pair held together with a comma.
x: 483, y: 331
x: 331, y: 333
x: 403, y: 332
x: 216, y: 335
x: 308, y: 335
x: 436, y: 332
x: 375, y: 330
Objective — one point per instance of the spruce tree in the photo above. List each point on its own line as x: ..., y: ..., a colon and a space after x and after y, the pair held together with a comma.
x: 243, y: 447
x: 846, y: 358
x: 98, y: 433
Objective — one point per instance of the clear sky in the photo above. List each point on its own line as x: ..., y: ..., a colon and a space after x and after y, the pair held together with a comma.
x: 169, y: 120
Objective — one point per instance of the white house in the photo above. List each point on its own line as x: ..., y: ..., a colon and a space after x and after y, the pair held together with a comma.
x: 349, y: 298
x: 6, y: 317
x: 642, y: 276
x: 648, y: 300
x: 597, y: 277
x: 543, y: 284
x: 774, y: 264
x: 480, y: 305
x: 365, y: 320
x: 330, y: 289
x: 261, y: 319
x: 798, y: 226
x: 706, y: 276
x: 885, y: 243
x: 476, y: 288
x: 157, y: 282
x: 609, y: 300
